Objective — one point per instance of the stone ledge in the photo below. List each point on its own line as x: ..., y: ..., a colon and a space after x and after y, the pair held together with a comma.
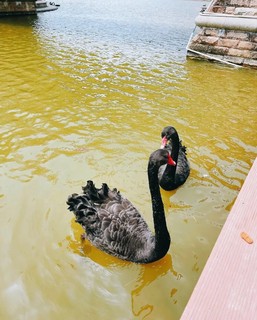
x: 227, y: 22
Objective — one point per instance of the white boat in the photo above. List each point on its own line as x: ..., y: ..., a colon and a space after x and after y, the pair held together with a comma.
x: 44, y: 6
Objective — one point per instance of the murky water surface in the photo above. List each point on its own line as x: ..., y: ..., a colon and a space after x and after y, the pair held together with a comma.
x: 85, y: 92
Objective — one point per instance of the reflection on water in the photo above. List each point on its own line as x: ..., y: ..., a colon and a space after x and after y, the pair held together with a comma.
x: 143, y: 275
x: 85, y: 93
x: 149, y: 274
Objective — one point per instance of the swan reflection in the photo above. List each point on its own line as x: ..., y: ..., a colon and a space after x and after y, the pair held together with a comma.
x: 135, y: 278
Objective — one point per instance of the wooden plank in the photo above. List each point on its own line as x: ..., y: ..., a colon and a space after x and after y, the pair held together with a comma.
x: 227, y: 287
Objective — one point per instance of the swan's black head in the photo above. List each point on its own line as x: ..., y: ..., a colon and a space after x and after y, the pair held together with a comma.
x: 169, y: 132
x: 161, y: 157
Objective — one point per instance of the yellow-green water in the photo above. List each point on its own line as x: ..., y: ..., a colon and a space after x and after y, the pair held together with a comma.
x: 85, y: 92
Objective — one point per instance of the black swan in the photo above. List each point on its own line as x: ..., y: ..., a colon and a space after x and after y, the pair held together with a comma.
x: 114, y: 225
x: 171, y: 177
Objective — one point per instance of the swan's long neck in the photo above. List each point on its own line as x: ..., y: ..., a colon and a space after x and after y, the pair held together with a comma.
x: 175, y: 146
x: 162, y: 237
x: 171, y: 170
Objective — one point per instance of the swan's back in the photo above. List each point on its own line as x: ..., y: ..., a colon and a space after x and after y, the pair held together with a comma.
x: 112, y: 223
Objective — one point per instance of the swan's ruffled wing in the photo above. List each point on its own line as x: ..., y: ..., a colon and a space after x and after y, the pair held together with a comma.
x: 111, y: 222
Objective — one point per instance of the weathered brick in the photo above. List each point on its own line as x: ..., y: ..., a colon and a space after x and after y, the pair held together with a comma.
x: 219, y: 50
x: 230, y: 10
x: 246, y: 45
x: 218, y: 9
x: 253, y: 55
x: 246, y: 11
x: 237, y: 35
x: 209, y: 40
x: 211, y: 32
x: 199, y: 47
x: 229, y: 43
x: 253, y: 4
x: 239, y: 53
x: 197, y: 38
x: 240, y: 3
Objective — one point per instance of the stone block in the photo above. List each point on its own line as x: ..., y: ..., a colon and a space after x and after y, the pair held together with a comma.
x: 211, y: 32
x: 237, y: 35
x: 197, y: 38
x: 218, y: 9
x: 199, y: 47
x: 246, y: 11
x: 218, y: 50
x: 253, y: 55
x: 239, y: 53
x: 253, y: 4
x: 209, y: 40
x: 229, y: 43
x: 230, y: 10
x: 240, y: 3
x: 246, y: 45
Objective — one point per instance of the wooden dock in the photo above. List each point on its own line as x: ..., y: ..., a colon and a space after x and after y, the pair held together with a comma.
x: 227, y: 287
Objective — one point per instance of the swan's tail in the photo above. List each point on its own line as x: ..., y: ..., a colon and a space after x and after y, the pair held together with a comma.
x: 101, y: 195
x: 82, y: 208
x: 85, y: 205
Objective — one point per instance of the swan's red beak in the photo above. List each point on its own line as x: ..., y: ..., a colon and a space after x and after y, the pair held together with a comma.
x: 164, y: 142
x: 171, y: 161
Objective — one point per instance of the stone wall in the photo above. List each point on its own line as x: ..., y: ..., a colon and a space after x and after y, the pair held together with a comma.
x: 233, y: 6
x: 234, y: 42
x: 229, y: 45
x: 11, y: 7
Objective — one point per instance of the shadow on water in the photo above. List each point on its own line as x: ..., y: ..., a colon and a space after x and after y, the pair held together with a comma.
x: 85, y: 249
x: 20, y: 20
x: 148, y: 274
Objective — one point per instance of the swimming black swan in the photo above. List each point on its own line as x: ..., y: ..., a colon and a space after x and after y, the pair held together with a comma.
x: 171, y: 177
x: 114, y: 225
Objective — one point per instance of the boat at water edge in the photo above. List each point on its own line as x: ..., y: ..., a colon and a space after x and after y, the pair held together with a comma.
x: 44, y: 6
